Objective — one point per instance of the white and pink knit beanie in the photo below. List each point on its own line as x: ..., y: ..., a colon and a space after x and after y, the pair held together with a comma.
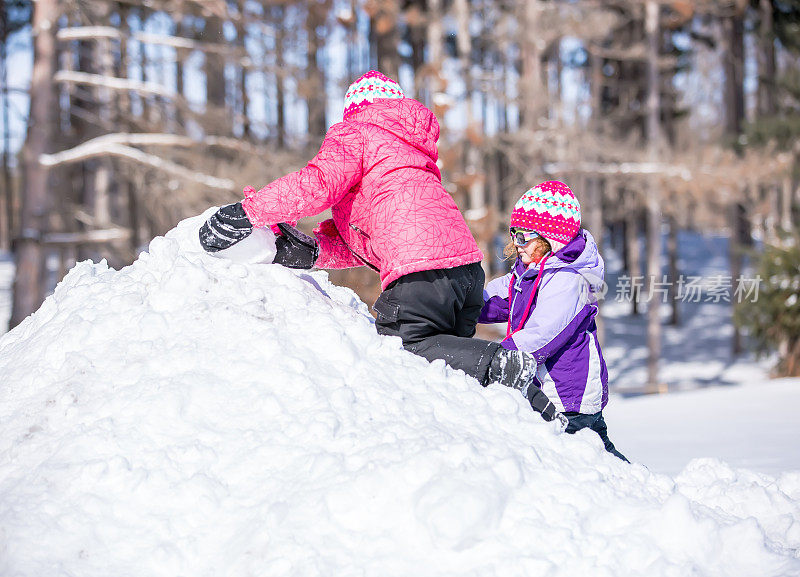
x: 368, y: 88
x: 552, y: 210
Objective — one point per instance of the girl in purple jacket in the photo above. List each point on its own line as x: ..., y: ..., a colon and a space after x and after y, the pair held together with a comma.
x: 549, y: 303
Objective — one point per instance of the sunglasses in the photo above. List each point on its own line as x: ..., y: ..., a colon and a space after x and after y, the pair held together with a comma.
x: 522, y: 237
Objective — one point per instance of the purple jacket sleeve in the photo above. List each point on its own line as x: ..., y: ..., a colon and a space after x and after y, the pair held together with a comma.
x: 560, y: 308
x: 495, y: 301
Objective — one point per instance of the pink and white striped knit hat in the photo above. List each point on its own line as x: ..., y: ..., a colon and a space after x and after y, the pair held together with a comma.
x: 369, y: 87
x: 552, y: 210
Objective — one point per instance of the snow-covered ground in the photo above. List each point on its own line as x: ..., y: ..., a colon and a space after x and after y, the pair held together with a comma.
x: 753, y: 426
x: 195, y: 416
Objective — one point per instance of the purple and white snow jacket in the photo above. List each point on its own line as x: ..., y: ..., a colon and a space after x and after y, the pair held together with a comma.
x: 559, y: 327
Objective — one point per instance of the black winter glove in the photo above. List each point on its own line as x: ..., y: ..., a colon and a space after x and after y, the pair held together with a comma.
x: 294, y: 248
x: 542, y: 404
x: 225, y: 228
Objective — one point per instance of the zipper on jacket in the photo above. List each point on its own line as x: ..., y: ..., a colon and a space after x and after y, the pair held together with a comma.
x: 358, y: 230
x: 517, y: 292
x: 355, y: 254
x: 517, y: 288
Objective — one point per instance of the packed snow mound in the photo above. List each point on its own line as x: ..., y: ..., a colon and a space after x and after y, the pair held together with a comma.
x: 189, y: 415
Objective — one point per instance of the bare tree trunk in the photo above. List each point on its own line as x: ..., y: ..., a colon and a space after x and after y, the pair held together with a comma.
x: 416, y: 38
x: 770, y: 196
x: 241, y: 33
x: 734, y: 118
x: 315, y: 75
x: 154, y: 104
x: 633, y: 252
x: 477, y: 195
x: 553, y: 60
x: 672, y: 250
x: 530, y: 83
x: 76, y: 59
x: 280, y: 96
x: 28, y: 290
x: 95, y: 58
x: 127, y: 190
x: 8, y: 181
x: 180, y: 30
x: 435, y: 40
x: 653, y: 275
x: 215, y: 67
x: 593, y: 183
x: 385, y: 38
x: 739, y: 227
x: 594, y: 223
x: 505, y: 124
x: 786, y: 204
x: 139, y: 60
x: 463, y: 49
x: 653, y: 203
x: 133, y: 217
x: 767, y: 104
x: 473, y: 167
x: 734, y: 75
x: 102, y: 180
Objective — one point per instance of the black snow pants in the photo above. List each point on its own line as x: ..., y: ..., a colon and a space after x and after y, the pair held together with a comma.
x: 435, y: 312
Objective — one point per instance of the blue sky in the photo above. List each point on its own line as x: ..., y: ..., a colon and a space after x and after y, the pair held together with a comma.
x: 20, y: 63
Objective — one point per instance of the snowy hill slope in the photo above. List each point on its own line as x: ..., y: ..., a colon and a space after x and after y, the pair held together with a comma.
x: 193, y: 416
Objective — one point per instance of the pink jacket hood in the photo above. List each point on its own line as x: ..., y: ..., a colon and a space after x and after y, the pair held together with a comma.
x: 377, y: 173
x: 412, y: 122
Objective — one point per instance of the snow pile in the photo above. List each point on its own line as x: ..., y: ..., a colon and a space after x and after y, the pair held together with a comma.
x: 195, y: 416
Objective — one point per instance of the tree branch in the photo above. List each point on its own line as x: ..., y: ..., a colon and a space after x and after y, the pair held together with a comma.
x: 177, y: 42
x: 152, y: 139
x: 86, y: 237
x: 187, y: 44
x: 69, y: 77
x: 88, y: 33
x: 117, y: 145
x: 683, y: 172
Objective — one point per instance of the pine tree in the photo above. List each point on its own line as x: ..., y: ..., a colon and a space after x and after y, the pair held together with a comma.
x: 773, y: 315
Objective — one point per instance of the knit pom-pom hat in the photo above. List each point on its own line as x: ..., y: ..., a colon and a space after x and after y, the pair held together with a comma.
x: 551, y: 209
x: 367, y: 88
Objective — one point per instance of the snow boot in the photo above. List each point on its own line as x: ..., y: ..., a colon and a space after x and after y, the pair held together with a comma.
x: 517, y: 369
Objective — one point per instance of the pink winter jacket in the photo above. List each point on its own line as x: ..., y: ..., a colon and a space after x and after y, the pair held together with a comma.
x: 377, y: 173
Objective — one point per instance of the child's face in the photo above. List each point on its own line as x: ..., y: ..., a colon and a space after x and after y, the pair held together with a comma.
x: 533, y: 251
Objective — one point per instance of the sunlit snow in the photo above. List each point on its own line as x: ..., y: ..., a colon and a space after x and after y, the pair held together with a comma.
x: 191, y: 415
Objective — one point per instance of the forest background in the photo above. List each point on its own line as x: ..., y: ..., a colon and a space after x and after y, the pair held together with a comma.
x: 121, y: 118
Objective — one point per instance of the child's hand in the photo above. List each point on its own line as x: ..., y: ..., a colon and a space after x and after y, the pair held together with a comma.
x: 295, y: 249
x: 225, y: 228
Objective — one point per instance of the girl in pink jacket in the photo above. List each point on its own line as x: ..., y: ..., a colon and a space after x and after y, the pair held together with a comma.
x: 376, y: 170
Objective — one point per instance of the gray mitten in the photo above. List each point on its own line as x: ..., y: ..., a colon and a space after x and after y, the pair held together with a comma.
x: 225, y: 228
